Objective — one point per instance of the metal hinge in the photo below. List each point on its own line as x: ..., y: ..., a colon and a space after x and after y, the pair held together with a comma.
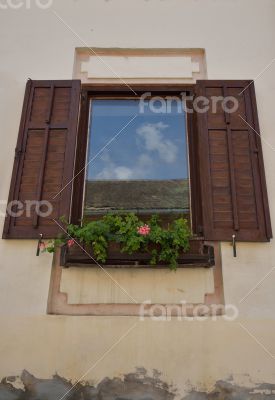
x: 18, y: 152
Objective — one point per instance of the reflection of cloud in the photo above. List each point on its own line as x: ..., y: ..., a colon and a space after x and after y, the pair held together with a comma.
x: 113, y: 171
x: 155, y: 144
x: 144, y: 162
x: 154, y: 141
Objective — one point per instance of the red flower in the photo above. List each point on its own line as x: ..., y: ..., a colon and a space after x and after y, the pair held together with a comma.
x: 70, y: 242
x: 144, y: 230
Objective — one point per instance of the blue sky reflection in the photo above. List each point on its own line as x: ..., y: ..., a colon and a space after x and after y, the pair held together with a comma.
x: 152, y: 147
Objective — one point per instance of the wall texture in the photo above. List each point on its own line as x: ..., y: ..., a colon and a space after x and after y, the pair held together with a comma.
x: 183, y: 359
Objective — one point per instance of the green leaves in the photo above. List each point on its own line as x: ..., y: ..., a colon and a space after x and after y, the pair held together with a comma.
x: 171, y: 241
x: 94, y: 233
x: 163, y: 244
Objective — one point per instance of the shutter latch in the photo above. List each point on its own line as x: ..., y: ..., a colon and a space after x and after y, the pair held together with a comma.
x: 39, y: 244
x: 234, y: 245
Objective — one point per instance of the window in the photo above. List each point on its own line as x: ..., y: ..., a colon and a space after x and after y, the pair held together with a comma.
x: 137, y: 158
x: 219, y: 150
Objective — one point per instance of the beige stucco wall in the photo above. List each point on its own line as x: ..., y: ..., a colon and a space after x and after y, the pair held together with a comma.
x: 238, y: 38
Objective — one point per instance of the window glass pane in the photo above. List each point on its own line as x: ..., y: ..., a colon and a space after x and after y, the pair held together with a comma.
x: 137, y: 157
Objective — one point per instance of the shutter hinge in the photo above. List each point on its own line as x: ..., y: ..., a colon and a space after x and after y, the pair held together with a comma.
x: 200, y: 229
x: 18, y: 152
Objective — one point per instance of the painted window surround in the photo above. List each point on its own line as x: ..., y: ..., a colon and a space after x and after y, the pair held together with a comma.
x: 188, y: 65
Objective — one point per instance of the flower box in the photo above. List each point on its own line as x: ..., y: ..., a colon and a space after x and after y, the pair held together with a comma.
x: 199, y: 255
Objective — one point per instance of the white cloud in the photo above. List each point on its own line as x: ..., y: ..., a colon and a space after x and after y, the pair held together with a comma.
x: 144, y: 162
x: 115, y: 172
x: 123, y: 172
x: 139, y: 171
x: 154, y: 141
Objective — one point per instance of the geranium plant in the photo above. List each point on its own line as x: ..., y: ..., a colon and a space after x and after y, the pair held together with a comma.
x: 133, y: 235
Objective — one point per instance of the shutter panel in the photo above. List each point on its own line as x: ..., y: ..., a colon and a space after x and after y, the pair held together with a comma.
x: 44, y: 159
x: 234, y: 195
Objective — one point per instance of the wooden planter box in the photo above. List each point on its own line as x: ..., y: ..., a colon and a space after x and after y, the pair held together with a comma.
x: 199, y: 255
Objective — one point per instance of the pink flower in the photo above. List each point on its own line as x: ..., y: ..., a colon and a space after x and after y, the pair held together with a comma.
x: 144, y: 230
x: 42, y: 246
x: 70, y: 242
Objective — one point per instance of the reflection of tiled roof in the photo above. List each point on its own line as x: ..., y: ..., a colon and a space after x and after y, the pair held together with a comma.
x: 139, y: 194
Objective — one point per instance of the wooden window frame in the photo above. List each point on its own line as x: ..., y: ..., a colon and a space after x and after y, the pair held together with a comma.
x: 115, y: 90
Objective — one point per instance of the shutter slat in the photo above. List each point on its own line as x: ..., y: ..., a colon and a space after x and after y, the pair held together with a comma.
x: 234, y: 194
x: 44, y: 154
x: 44, y: 159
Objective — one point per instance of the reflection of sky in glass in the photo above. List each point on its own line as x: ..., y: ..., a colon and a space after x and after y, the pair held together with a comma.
x: 153, y: 146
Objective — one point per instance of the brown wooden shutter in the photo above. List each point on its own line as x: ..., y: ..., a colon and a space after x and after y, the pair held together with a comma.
x: 234, y: 195
x: 44, y: 158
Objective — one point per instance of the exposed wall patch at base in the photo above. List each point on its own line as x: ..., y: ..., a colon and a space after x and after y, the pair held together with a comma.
x: 133, y: 386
